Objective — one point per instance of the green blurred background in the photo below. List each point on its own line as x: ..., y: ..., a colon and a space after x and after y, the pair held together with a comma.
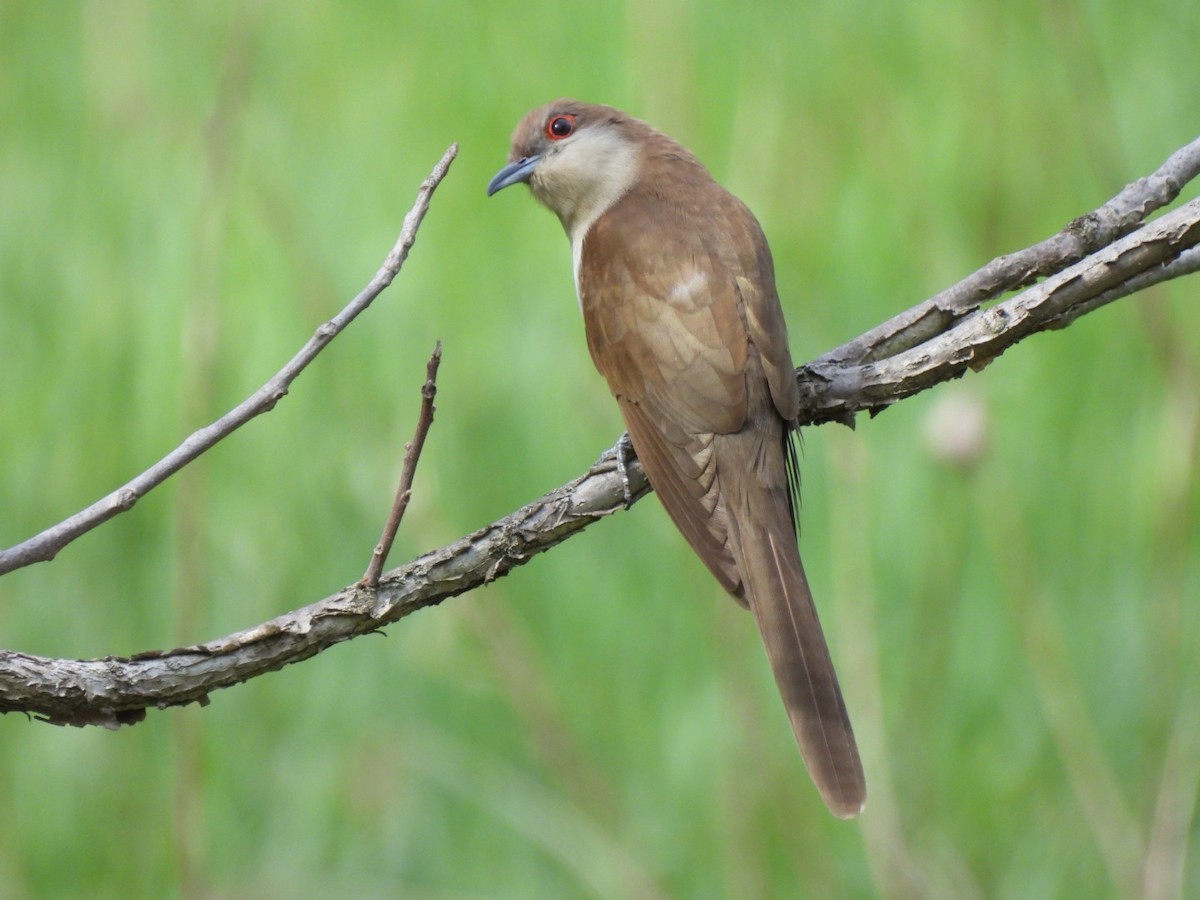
x: 187, y: 190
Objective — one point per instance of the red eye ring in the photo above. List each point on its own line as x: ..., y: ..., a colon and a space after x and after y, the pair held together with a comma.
x: 560, y: 126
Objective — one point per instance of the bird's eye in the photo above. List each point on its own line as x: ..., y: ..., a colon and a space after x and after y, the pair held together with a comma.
x: 560, y: 127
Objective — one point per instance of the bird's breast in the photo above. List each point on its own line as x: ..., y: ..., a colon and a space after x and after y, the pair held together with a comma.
x: 576, y: 262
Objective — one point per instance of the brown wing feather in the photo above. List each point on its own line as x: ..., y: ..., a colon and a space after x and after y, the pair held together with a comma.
x: 684, y: 479
x: 674, y: 359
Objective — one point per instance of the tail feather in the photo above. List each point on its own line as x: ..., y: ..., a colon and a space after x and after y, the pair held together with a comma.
x: 764, y: 544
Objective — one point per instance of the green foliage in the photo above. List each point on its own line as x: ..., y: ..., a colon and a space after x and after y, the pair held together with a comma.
x: 188, y: 190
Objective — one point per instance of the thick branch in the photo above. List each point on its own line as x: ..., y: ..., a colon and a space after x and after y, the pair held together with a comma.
x: 1154, y: 253
x: 116, y: 691
x: 1082, y: 236
x: 1096, y: 260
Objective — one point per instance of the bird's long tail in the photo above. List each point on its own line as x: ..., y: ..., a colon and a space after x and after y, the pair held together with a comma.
x: 763, y: 540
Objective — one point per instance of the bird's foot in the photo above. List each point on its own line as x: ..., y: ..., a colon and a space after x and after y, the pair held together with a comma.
x: 625, y: 452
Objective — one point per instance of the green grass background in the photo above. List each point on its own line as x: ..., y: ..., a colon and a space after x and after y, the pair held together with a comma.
x: 187, y: 190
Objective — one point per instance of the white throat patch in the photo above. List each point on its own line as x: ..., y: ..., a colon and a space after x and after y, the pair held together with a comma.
x: 582, y: 179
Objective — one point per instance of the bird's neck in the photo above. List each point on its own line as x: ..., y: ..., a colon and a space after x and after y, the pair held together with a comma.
x: 581, y: 186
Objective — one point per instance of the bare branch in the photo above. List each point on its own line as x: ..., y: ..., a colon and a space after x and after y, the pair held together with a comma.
x: 46, y: 545
x: 836, y: 391
x: 412, y: 454
x: 1097, y: 259
x: 116, y: 691
x: 1082, y: 236
x: 1186, y: 263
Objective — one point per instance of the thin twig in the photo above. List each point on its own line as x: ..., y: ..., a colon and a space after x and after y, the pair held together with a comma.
x: 412, y: 455
x: 46, y: 545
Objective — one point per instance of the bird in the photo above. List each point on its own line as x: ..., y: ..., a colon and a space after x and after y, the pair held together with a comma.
x: 676, y: 284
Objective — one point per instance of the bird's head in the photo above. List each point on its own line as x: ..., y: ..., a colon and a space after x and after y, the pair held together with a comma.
x: 577, y: 158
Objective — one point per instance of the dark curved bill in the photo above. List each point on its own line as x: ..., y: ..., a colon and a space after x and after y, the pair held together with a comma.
x: 513, y: 173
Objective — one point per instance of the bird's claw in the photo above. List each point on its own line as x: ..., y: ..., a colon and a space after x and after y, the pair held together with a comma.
x: 624, y: 452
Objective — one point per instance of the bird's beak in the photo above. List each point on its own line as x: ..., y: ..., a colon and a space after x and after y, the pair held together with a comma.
x: 513, y: 173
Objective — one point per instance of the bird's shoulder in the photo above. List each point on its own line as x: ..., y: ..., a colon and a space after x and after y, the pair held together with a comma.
x: 676, y: 283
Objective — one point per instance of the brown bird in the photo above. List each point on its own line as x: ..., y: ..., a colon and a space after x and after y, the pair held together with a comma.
x: 677, y: 288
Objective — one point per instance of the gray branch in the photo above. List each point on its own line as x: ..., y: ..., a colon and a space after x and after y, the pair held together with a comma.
x: 1098, y: 258
x: 44, y: 546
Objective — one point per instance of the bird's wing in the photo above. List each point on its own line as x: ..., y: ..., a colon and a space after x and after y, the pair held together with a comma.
x: 672, y: 342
